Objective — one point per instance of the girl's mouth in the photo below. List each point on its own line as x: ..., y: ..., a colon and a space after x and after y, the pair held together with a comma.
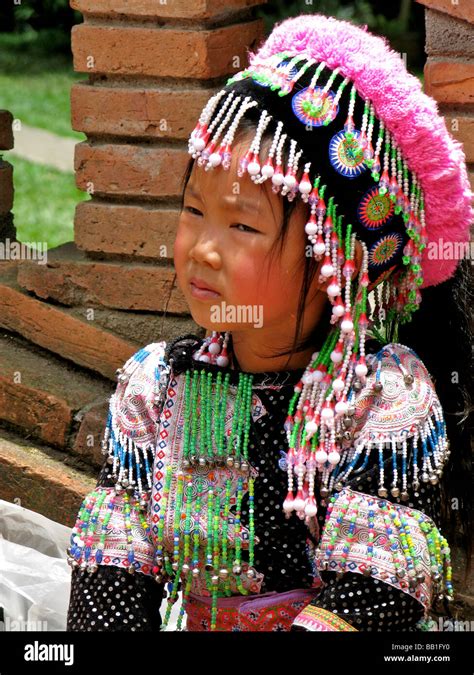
x: 202, y: 293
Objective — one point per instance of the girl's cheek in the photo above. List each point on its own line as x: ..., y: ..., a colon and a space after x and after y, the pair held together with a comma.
x: 180, y: 250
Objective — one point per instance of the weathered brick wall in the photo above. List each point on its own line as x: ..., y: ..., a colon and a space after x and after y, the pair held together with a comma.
x: 149, y: 66
x: 449, y: 69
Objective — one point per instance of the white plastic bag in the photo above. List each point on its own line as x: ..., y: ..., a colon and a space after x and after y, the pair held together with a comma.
x: 35, y: 579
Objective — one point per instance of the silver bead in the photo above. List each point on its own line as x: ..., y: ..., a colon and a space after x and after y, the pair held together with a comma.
x: 378, y: 387
x: 110, y: 459
x: 424, y: 477
x: 382, y: 492
x: 195, y: 572
x: 131, y: 569
x: 230, y: 461
x: 215, y: 580
x: 237, y: 464
x: 338, y: 486
x: 420, y: 577
x: 244, y: 467
x: 209, y: 567
x: 401, y: 573
x: 404, y: 496
x: 223, y: 573
x: 193, y: 460
x: 408, y: 379
x: 347, y: 436
x: 237, y: 569
x: 186, y: 464
x: 357, y: 385
x: 347, y: 422
x: 158, y: 578
x: 433, y: 479
x: 175, y: 566
x: 351, y: 410
x: 324, y: 492
x: 92, y: 568
x: 186, y: 568
x: 395, y: 492
x: 251, y: 573
x: 367, y: 572
x: 202, y: 461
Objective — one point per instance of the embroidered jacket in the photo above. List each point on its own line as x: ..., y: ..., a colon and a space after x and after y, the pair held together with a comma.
x: 373, y: 552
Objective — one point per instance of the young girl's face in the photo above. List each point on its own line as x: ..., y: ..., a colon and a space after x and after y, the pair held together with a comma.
x: 226, y: 230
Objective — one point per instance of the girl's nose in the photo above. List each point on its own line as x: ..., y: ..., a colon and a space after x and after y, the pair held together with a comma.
x: 205, y: 252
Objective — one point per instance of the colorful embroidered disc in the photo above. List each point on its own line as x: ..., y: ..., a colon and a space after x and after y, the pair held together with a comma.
x: 313, y: 107
x: 375, y: 210
x: 346, y: 156
x: 385, y: 249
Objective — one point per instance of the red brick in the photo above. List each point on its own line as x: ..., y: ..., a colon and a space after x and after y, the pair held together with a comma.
x: 149, y: 113
x: 450, y: 81
x: 130, y: 170
x: 163, y: 52
x: 6, y: 187
x: 461, y: 9
x: 88, y: 442
x: 141, y: 328
x: 6, y: 131
x: 50, y: 327
x: 40, y: 394
x: 73, y: 281
x: 446, y: 35
x: 41, y: 480
x: 462, y: 128
x: 173, y: 9
x: 126, y: 229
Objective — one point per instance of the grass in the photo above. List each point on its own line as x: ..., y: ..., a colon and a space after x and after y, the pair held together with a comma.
x: 35, y: 84
x: 44, y: 204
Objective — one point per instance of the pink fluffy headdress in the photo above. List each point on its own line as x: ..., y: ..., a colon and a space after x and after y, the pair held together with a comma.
x: 411, y: 116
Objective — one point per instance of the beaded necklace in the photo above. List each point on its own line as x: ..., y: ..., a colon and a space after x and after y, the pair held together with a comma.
x: 207, y: 444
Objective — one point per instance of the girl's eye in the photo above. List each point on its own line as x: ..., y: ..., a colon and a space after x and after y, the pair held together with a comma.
x: 193, y: 211
x: 247, y: 227
x: 241, y: 226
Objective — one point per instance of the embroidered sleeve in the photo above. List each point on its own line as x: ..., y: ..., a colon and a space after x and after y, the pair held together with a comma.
x: 113, y: 526
x: 397, y: 553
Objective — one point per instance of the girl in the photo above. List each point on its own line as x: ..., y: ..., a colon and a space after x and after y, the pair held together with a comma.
x: 285, y: 471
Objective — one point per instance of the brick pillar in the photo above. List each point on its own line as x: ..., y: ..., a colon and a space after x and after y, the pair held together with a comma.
x: 151, y: 65
x: 7, y: 230
x: 449, y: 70
x: 68, y: 325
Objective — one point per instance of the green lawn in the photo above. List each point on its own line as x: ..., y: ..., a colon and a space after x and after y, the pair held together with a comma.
x: 44, y: 203
x: 35, y: 86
